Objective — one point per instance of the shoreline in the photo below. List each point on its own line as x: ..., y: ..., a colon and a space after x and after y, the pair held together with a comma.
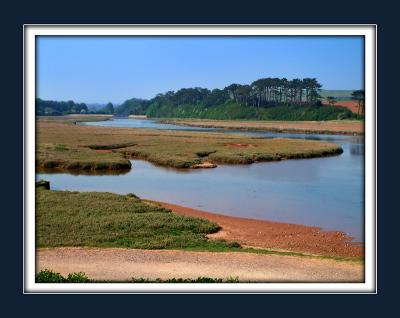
x: 270, y: 126
x: 278, y: 236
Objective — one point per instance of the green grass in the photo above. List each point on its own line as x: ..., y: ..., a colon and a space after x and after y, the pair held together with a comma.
x: 93, y: 219
x: 100, y: 219
x: 76, y: 147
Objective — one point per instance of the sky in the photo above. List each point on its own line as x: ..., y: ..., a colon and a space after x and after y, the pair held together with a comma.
x: 102, y: 69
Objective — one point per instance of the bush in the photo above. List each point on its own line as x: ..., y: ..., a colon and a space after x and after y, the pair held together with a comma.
x: 48, y: 276
x: 77, y: 278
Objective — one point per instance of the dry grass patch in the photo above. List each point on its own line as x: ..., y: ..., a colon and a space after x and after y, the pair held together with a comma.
x: 66, y: 146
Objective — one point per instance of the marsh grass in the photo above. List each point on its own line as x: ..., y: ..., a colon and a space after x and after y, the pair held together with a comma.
x: 100, y: 148
x: 94, y: 219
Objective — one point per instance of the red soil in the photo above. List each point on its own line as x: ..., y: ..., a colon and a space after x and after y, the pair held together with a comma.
x: 350, y: 104
x: 276, y: 235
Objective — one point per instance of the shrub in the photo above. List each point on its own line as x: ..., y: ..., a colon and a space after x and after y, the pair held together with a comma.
x: 77, y: 278
x: 48, y: 276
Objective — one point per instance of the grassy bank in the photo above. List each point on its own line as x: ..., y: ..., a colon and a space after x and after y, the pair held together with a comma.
x: 68, y: 146
x: 110, y: 220
x: 98, y: 219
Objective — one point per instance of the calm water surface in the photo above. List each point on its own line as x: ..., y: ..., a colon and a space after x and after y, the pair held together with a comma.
x: 326, y: 192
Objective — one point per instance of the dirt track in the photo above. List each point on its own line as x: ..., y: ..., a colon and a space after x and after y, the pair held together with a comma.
x: 122, y: 264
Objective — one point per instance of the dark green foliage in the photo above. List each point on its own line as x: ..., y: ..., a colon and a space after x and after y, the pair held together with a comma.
x: 55, y: 108
x: 77, y: 278
x: 233, y: 110
x: 48, y: 276
x: 264, y: 99
x: 132, y: 106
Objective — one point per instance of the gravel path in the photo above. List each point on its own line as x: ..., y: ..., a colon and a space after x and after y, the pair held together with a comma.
x: 123, y: 264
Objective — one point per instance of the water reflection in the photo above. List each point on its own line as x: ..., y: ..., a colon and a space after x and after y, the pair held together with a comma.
x: 357, y: 150
x: 78, y: 172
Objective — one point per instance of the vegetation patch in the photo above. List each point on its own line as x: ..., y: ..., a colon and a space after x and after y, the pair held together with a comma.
x: 94, y: 219
x: 88, y: 148
x: 48, y: 276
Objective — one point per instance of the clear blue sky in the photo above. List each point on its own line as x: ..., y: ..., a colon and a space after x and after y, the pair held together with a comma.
x: 102, y: 69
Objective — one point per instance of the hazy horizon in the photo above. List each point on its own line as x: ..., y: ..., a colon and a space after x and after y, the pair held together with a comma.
x: 102, y: 69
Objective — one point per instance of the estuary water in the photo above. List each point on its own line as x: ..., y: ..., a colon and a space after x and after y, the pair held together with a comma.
x: 326, y: 192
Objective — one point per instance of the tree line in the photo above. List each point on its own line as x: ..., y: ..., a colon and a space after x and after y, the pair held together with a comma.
x: 264, y: 92
x: 54, y: 108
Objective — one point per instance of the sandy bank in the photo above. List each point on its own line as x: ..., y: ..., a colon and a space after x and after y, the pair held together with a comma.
x: 276, y: 235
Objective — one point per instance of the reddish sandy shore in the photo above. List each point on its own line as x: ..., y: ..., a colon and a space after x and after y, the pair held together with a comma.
x: 349, y: 104
x: 276, y: 235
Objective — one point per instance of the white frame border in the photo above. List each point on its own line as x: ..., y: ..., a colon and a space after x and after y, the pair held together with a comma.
x: 366, y: 30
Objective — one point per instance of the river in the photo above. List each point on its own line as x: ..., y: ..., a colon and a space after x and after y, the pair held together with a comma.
x: 326, y: 192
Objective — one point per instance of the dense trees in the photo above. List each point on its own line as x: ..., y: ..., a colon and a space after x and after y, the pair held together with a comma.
x: 265, y: 98
x: 132, y: 106
x: 264, y: 92
x: 108, y: 109
x: 52, y: 108
x: 359, y: 96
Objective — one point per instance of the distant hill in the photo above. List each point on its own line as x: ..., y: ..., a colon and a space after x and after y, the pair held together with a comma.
x: 338, y: 94
x: 96, y: 106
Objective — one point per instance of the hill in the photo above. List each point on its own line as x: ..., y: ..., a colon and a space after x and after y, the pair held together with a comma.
x: 338, y: 94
